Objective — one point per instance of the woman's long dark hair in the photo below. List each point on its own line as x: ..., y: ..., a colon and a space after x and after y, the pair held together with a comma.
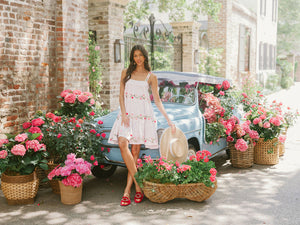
x: 132, y: 65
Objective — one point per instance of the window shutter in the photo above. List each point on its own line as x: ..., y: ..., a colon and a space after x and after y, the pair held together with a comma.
x: 242, y: 49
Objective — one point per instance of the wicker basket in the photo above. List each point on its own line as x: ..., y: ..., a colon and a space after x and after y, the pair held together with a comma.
x: 70, y: 195
x: 53, y: 183
x: 240, y: 159
x: 281, y: 148
x: 20, y: 190
x: 266, y: 152
x: 161, y: 193
x: 41, y: 175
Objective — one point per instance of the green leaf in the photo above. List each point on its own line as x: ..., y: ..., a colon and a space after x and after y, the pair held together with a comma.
x: 44, y: 166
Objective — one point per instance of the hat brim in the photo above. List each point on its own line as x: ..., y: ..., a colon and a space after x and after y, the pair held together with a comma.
x: 165, y: 145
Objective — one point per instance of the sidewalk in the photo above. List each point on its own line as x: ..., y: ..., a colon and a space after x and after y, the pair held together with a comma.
x: 258, y: 195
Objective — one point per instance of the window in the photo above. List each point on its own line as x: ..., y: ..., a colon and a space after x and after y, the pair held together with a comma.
x: 263, y: 11
x: 271, y: 59
x: 244, y: 49
x: 274, y: 10
x: 265, y: 57
x: 261, y: 56
x: 274, y: 57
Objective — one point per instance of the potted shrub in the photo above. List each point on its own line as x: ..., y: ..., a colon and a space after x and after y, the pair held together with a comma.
x: 70, y: 175
x: 164, y: 180
x: 20, y: 155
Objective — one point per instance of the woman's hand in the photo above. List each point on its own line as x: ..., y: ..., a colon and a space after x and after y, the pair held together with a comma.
x: 173, y: 127
x: 125, y: 120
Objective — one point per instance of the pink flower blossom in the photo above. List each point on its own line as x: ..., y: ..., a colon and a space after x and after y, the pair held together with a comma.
x: 59, y: 135
x: 34, y: 130
x: 83, y: 98
x: 256, y: 121
x: 3, y: 141
x: 93, y: 131
x: 26, y: 125
x: 21, y: 137
x: 65, y: 92
x: 213, y: 171
x: 241, y: 145
x: 212, y: 178
x: 229, y: 139
x: 219, y: 86
x: 92, y: 158
x: 3, y: 154
x: 92, y: 101
x: 98, y: 135
x: 245, y: 95
x: 275, y: 121
x: 57, y: 119
x: 77, y: 92
x: 37, y: 122
x: 225, y: 85
x: 262, y: 117
x: 50, y: 115
x: 92, y: 113
x: 100, y: 122
x: 282, y: 138
x: 34, y: 144
x: 222, y: 93
x: 74, y: 180
x: 95, y: 163
x: 254, y: 134
x: 267, y: 125
x: 103, y: 135
x: 18, y: 150
x: 70, y: 98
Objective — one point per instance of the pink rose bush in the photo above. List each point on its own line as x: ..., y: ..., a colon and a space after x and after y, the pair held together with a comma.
x: 76, y: 103
x: 197, y: 169
x: 72, y: 171
x: 20, y: 154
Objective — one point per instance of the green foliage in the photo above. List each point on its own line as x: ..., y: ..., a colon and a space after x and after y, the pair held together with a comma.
x: 286, y: 82
x: 176, y: 9
x: 210, y: 61
x: 288, y: 31
x: 198, y: 169
x: 22, y: 163
x: 162, y: 61
x: 285, y: 68
x: 213, y: 132
x: 249, y: 85
x: 95, y: 68
x: 273, y: 81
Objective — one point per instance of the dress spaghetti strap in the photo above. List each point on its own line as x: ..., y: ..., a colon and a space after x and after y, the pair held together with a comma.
x: 147, y: 78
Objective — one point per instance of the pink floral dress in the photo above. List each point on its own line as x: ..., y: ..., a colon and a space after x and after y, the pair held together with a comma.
x: 142, y: 129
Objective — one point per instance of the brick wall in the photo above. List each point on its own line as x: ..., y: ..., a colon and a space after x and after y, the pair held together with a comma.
x: 40, y: 56
x: 106, y: 18
x: 225, y: 34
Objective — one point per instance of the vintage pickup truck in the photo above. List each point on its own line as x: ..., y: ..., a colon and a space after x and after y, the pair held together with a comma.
x: 179, y: 95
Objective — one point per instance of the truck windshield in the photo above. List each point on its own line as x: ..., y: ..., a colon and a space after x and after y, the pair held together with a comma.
x: 177, y: 94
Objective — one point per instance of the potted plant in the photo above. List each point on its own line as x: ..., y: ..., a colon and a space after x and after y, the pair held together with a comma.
x: 240, y: 138
x: 164, y: 180
x: 20, y: 155
x: 70, y: 175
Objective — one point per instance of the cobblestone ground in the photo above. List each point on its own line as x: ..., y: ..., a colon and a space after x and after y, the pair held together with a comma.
x: 258, y: 195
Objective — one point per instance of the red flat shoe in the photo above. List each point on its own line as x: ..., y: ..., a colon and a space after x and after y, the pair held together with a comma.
x: 138, y: 197
x: 125, y: 201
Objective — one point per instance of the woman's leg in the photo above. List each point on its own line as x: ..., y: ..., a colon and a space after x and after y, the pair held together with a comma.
x: 129, y: 161
x: 135, y: 151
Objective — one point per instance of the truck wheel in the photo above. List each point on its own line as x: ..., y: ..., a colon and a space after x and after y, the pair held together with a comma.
x: 104, y: 172
x: 228, y: 153
x: 192, y: 150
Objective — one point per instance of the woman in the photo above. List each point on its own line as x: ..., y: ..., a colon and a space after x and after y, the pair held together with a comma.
x: 136, y: 123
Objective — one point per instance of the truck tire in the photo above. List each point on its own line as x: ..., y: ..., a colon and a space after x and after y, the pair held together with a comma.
x: 104, y: 172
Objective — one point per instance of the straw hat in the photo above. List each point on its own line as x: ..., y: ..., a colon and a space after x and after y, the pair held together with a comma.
x: 174, y: 147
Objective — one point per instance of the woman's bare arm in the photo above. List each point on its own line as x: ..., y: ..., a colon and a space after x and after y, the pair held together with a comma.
x: 125, y: 119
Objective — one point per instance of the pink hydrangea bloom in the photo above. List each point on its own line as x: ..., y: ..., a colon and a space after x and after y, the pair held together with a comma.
x: 74, y: 180
x: 21, y: 137
x: 34, y: 144
x: 254, y: 134
x: 3, y: 154
x: 26, y: 125
x: 37, y: 122
x: 88, y: 94
x: 71, y: 156
x: 222, y: 93
x: 64, y: 93
x: 241, y: 145
x: 18, y: 150
x: 83, y: 98
x: 229, y: 139
x: 92, y: 101
x: 50, y: 115
x: 70, y: 98
x: 218, y: 86
x: 34, y: 130
x: 77, y: 92
x: 3, y: 141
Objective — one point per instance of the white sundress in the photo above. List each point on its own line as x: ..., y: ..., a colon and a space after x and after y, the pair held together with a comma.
x: 143, y: 125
